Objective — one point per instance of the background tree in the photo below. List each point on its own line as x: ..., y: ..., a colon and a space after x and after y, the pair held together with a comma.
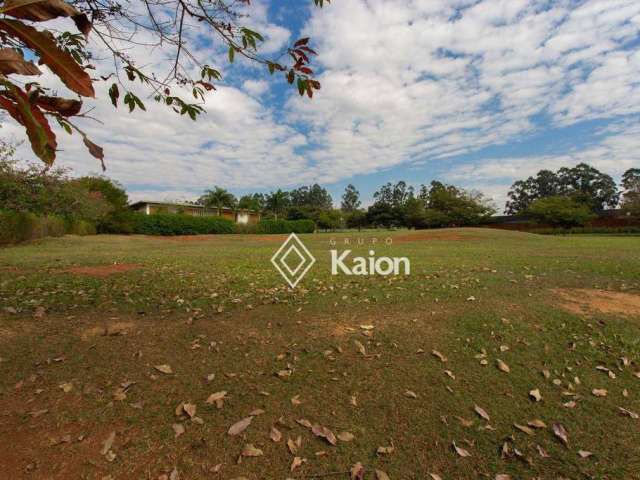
x: 561, y: 211
x: 590, y: 186
x: 176, y: 26
x: 255, y: 202
x: 583, y: 183
x: 389, y: 204
x: 350, y: 199
x: 356, y: 219
x: 631, y: 196
x: 277, y: 202
x: 218, y: 198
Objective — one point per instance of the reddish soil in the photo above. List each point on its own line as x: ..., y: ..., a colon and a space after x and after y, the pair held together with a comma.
x: 103, y: 270
x: 588, y: 301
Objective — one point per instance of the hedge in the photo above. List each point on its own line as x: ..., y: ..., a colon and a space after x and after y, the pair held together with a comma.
x: 286, y: 226
x: 631, y: 230
x: 175, y: 224
x: 16, y: 227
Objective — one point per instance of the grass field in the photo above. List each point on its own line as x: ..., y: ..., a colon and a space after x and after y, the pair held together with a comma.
x: 396, y: 362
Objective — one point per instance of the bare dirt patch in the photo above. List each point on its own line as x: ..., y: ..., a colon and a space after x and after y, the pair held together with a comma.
x: 430, y: 236
x: 269, y: 238
x: 583, y: 301
x: 111, y: 329
x: 103, y: 270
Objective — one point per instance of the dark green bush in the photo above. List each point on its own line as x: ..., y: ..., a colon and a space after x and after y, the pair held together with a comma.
x: 175, y: 224
x: 560, y: 211
x: 631, y: 230
x: 81, y: 227
x: 16, y: 227
x: 286, y: 226
x: 119, y: 221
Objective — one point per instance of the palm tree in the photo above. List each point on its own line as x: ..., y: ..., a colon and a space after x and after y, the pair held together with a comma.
x: 218, y: 198
x: 277, y: 202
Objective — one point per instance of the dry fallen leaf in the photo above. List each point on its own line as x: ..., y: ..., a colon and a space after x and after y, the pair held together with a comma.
x: 345, y: 436
x: 294, y: 446
x: 628, y: 413
x: 481, y: 411
x: 275, y: 434
x: 66, y: 387
x: 297, y: 461
x: 535, y: 395
x: 537, y: 423
x: 386, y: 450
x: 464, y: 422
x: 461, y: 451
x: 324, y: 432
x: 217, y: 398
x: 439, y: 356
x: 584, y: 453
x: 239, y: 427
x: 503, y: 367
x: 360, y: 347
x: 435, y: 476
x: 178, y: 429
x: 250, y: 451
x: 542, y: 452
x: 503, y: 476
x: 410, y: 394
x: 166, y: 369
x: 561, y: 433
x: 380, y: 475
x: 108, y: 443
x: 599, y: 392
x: 189, y: 409
x: 524, y: 429
x: 357, y: 472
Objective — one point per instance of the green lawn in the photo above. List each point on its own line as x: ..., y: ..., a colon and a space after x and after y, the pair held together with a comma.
x: 71, y: 335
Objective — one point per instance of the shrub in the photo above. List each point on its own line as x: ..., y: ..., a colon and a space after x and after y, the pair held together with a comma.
x: 16, y: 227
x: 174, y: 224
x: 119, y: 221
x: 560, y: 211
x: 246, y: 228
x: 286, y: 226
x: 631, y: 230
x: 81, y: 227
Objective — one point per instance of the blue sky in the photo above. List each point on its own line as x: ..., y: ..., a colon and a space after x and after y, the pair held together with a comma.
x: 473, y: 92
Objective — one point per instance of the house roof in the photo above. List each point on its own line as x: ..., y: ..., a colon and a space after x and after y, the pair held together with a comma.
x: 189, y: 205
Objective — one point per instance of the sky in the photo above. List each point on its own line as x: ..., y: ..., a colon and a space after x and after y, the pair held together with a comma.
x: 478, y: 93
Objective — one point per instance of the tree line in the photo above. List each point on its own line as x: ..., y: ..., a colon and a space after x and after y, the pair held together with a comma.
x: 395, y: 205
x: 573, y: 196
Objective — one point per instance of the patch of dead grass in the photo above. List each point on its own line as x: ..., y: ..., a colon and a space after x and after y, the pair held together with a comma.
x: 104, y: 270
x: 110, y: 329
x: 584, y: 301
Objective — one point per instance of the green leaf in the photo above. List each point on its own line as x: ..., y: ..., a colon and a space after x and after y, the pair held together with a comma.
x: 114, y: 94
x: 232, y: 54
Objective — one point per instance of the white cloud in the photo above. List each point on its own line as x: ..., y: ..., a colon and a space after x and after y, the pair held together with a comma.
x: 403, y: 81
x: 256, y: 88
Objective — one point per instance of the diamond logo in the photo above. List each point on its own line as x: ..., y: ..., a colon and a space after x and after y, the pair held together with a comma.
x: 293, y: 260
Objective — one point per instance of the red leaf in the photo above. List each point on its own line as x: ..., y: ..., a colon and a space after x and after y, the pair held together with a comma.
x: 12, y: 61
x: 59, y: 61
x: 64, y: 106
x: 41, y: 137
x: 301, y: 42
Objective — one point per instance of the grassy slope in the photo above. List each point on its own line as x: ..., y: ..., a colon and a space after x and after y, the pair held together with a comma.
x: 198, y: 293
